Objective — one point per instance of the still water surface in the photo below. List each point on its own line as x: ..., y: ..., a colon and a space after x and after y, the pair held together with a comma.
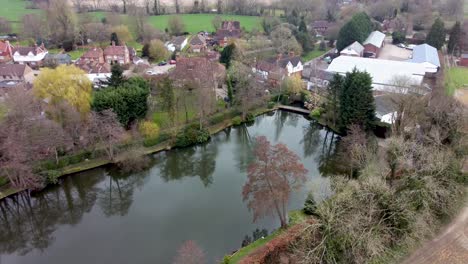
x: 102, y: 216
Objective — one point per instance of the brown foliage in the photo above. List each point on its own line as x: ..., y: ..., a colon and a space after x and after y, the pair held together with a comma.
x: 190, y: 253
x: 105, y: 130
x: 272, y: 176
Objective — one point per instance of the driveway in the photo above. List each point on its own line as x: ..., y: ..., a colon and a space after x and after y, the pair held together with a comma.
x: 160, y: 69
x: 392, y: 52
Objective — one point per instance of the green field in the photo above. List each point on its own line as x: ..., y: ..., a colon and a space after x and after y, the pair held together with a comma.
x: 13, y: 10
x: 455, y: 78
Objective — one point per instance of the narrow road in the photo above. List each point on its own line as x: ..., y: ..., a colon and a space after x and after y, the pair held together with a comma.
x: 449, y: 247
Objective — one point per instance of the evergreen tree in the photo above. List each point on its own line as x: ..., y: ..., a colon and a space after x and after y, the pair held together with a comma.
x: 357, y: 29
x: 334, y: 91
x: 302, y: 26
x: 436, y: 36
x: 230, y: 93
x: 115, y: 39
x: 454, y: 39
x: 226, y: 54
x: 117, y: 77
x: 356, y: 101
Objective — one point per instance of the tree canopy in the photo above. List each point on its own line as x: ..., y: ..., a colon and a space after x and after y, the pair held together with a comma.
x: 357, y: 29
x: 436, y: 36
x: 64, y: 83
x: 455, y: 36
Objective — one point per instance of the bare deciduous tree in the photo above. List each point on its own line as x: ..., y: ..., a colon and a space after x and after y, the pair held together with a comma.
x: 105, y: 130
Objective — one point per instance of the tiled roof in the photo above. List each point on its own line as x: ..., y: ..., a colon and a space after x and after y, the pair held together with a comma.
x: 17, y: 70
x: 5, y: 46
x: 283, y: 62
x: 115, y: 50
x: 92, y: 67
x: 178, y: 40
x: 356, y: 46
x: 24, y: 51
x: 198, y: 40
x: 93, y: 53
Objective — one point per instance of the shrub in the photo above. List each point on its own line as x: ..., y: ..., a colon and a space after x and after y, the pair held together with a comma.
x: 271, y: 105
x: 237, y: 120
x: 249, y: 118
x: 306, y: 96
x: 316, y: 113
x: 398, y: 37
x: 322, y: 46
x: 309, y: 206
x: 217, y: 118
x: 153, y: 141
x: 226, y: 260
x: 192, y: 135
x: 133, y: 161
x: 149, y: 129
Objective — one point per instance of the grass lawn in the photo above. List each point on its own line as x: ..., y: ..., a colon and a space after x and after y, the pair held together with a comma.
x: 455, y: 78
x: 13, y: 10
x: 313, y: 54
x: 296, y: 216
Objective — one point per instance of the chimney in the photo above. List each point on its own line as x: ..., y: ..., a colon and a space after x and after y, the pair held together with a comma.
x: 279, y: 56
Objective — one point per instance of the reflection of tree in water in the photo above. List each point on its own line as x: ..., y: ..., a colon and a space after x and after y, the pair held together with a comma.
x: 292, y: 120
x: 28, y: 223
x: 243, y: 152
x: 116, y: 197
x: 328, y: 161
x: 190, y: 162
x: 311, y: 139
x: 280, y: 119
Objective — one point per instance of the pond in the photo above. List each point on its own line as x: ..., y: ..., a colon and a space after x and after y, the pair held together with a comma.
x: 103, y: 216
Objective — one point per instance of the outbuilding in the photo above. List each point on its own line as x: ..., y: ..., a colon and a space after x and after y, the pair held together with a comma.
x: 428, y: 56
x: 373, y: 44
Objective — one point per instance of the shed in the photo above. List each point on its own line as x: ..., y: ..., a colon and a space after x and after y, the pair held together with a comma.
x: 373, y: 43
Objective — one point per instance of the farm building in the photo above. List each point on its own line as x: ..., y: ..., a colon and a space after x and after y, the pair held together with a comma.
x: 387, y: 75
x: 355, y: 49
x: 426, y: 55
x: 373, y: 44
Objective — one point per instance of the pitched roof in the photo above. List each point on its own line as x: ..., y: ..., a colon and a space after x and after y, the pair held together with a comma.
x: 355, y: 46
x: 115, y: 50
x: 17, y: 70
x: 197, y: 68
x: 93, y: 53
x: 375, y: 38
x: 283, y: 62
x: 178, y: 40
x: 226, y: 33
x: 93, y: 67
x: 5, y: 46
x: 231, y: 25
x: 24, y: 51
x: 425, y: 53
x: 320, y: 24
x: 198, y: 40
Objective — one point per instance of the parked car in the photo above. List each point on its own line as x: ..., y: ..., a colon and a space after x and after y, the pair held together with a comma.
x: 172, y: 62
x: 151, y: 73
x: 162, y: 63
x: 410, y: 47
x: 401, y: 45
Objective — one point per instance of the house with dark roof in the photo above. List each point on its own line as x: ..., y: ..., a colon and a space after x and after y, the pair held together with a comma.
x: 428, y: 56
x: 117, y: 54
x: 373, y: 44
x: 229, y: 30
x: 320, y: 26
x: 355, y: 49
x: 198, y: 43
x: 57, y: 59
x: 32, y: 56
x: 283, y: 65
x: 6, y: 52
x: 16, y: 72
x: 177, y: 43
x: 95, y: 70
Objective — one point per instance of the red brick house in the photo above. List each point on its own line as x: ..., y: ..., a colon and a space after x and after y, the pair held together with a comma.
x: 373, y: 44
x: 229, y: 30
x: 464, y: 60
x: 198, y: 43
x: 6, y: 52
x: 117, y: 54
x: 92, y: 55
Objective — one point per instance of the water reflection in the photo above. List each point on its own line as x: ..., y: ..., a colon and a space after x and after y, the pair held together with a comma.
x: 143, y: 217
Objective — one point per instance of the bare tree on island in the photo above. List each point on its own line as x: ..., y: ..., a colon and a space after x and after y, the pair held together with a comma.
x: 274, y: 174
x: 190, y: 253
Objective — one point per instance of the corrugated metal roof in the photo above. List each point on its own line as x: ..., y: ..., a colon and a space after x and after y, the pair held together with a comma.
x: 384, y: 73
x: 425, y: 53
x: 375, y: 38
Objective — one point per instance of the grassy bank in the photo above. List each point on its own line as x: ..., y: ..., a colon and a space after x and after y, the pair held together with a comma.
x: 313, y: 54
x: 455, y: 78
x: 295, y: 217
x: 7, y: 190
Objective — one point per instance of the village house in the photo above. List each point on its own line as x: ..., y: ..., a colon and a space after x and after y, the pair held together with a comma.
x: 6, y: 52
x: 428, y: 56
x: 57, y: 59
x: 95, y: 71
x: 387, y: 75
x: 355, y: 49
x: 320, y: 26
x: 284, y: 65
x: 463, y: 60
x: 117, y: 54
x: 229, y: 30
x: 198, y: 43
x: 373, y: 44
x: 92, y: 55
x: 177, y: 43
x: 14, y: 75
x: 32, y: 56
